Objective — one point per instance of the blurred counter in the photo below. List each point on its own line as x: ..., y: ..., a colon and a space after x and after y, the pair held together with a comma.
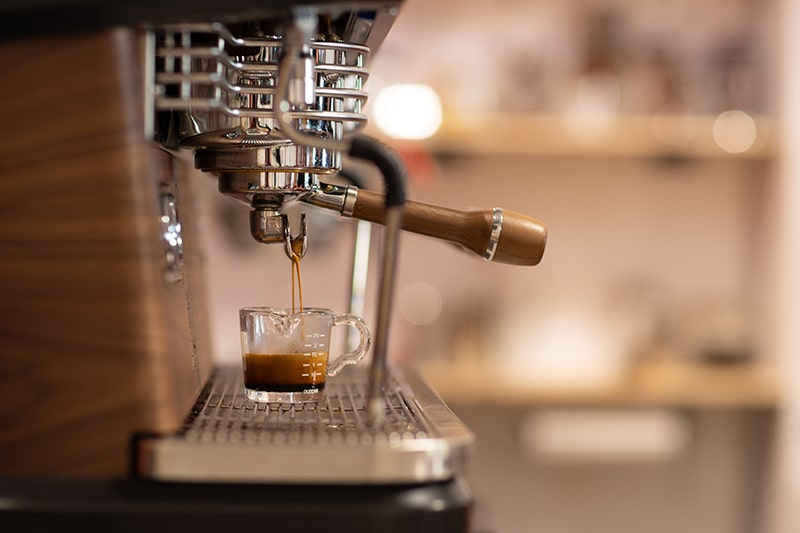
x: 656, y: 382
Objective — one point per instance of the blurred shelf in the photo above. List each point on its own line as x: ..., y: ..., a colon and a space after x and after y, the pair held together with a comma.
x: 661, y: 136
x: 660, y: 383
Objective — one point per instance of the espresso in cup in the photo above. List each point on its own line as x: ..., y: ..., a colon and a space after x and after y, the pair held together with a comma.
x: 285, y: 372
x: 285, y: 352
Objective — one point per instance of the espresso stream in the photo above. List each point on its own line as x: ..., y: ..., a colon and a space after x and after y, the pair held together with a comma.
x: 297, y: 247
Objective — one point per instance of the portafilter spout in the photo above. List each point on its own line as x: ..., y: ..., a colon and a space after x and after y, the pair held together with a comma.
x: 268, y: 225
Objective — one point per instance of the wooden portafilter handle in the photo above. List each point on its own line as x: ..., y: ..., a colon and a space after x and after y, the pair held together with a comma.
x: 494, y: 234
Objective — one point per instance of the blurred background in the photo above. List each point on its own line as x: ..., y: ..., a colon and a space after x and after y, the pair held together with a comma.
x: 640, y: 378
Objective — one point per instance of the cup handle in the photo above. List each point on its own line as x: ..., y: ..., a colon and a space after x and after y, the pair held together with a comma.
x: 354, y: 356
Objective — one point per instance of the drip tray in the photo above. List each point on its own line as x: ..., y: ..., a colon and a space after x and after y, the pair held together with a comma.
x: 229, y: 438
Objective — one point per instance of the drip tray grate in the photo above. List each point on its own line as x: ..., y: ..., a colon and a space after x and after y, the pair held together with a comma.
x: 230, y: 438
x: 224, y: 414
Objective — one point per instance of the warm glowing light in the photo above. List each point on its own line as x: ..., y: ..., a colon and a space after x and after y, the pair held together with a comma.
x: 409, y: 111
x: 735, y: 131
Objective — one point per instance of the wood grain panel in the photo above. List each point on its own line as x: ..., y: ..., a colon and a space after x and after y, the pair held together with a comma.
x: 94, y: 345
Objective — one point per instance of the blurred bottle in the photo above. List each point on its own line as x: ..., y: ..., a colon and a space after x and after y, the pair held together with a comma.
x: 598, y: 91
x: 735, y: 75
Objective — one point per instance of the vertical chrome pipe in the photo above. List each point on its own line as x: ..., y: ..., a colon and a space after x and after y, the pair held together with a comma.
x: 359, y: 273
x: 378, y: 370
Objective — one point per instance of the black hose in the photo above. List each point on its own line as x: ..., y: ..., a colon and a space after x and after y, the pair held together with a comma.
x: 389, y: 164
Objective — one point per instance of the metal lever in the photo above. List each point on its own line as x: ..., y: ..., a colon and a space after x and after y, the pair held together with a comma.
x: 496, y: 234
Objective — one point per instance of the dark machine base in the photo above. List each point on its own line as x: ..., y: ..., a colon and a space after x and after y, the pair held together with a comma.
x: 136, y: 506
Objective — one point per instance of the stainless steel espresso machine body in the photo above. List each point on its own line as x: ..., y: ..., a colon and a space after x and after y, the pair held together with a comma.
x: 112, y: 405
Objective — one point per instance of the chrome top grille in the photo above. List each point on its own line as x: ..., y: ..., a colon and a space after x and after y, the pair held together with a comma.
x: 206, y: 67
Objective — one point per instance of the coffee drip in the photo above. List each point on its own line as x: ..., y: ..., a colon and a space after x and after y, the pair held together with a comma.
x: 297, y: 281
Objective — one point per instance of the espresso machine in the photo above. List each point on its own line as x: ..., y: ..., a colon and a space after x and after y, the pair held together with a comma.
x: 113, y: 410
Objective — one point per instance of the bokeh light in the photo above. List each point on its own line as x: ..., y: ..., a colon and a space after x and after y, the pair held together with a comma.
x: 408, y: 111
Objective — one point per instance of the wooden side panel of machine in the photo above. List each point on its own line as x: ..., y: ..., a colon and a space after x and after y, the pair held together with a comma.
x: 95, y: 345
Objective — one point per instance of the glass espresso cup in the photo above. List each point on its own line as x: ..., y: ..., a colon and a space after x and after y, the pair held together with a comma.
x: 285, y: 354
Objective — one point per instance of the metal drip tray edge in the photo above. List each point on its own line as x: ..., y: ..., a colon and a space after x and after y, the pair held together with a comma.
x: 229, y: 439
